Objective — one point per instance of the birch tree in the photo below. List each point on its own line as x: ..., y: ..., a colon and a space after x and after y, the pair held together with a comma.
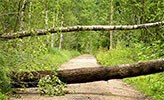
x: 111, y: 21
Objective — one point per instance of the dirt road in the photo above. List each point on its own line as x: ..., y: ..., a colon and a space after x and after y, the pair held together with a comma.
x: 100, y: 90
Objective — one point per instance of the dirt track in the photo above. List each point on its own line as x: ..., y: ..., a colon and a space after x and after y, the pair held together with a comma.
x: 100, y: 90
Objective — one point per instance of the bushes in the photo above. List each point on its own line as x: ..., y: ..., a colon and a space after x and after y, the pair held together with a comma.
x: 153, y: 50
x: 51, y: 59
x: 4, y: 79
x: 2, y: 96
x: 55, y: 57
x: 116, y: 56
x: 152, y: 85
x: 16, y: 55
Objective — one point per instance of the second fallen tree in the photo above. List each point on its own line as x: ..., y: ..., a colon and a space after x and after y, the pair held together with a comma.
x: 82, y: 75
x: 22, y: 34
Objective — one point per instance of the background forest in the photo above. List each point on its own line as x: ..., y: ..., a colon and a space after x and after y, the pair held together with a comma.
x: 48, y: 52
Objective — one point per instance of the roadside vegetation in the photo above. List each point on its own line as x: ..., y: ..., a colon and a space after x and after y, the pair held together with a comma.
x: 31, y: 58
x: 42, y: 53
x: 151, y: 85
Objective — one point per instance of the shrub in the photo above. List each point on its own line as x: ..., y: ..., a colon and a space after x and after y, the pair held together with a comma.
x: 4, y: 79
x: 116, y: 56
x: 152, y: 85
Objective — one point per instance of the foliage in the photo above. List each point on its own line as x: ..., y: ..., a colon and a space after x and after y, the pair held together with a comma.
x: 35, y: 53
x: 4, y: 79
x: 51, y: 86
x: 116, y: 56
x: 154, y: 50
x: 2, y: 96
x: 87, y: 12
x: 151, y: 85
x: 32, y: 55
x: 56, y: 57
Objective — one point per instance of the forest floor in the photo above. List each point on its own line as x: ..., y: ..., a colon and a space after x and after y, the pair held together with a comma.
x: 99, y: 90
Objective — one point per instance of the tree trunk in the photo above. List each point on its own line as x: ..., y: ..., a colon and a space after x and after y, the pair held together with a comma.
x: 22, y: 34
x: 22, y: 13
x: 20, y: 16
x: 46, y: 21
x: 61, y: 37
x: 29, y: 16
x: 111, y: 22
x: 61, y: 34
x: 53, y: 35
x: 61, y: 40
x: 82, y: 75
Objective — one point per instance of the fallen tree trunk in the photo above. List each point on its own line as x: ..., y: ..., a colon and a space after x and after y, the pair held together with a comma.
x: 82, y: 75
x: 77, y: 28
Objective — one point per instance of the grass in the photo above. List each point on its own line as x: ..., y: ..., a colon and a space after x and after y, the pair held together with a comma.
x: 4, y: 80
x: 50, y: 59
x: 151, y: 85
x: 56, y: 57
x: 3, y: 96
x: 115, y: 56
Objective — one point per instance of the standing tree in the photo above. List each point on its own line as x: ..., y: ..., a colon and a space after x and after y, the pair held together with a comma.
x: 111, y: 22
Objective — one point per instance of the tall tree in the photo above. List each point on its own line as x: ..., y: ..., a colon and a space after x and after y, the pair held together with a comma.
x: 61, y: 34
x: 111, y: 21
x: 22, y: 14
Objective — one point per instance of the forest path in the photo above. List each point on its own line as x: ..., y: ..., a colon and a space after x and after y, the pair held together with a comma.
x: 99, y: 90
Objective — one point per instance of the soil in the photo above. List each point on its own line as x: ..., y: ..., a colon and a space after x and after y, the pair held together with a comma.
x: 99, y: 90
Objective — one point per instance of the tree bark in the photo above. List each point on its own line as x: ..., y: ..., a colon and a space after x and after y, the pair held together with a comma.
x: 22, y: 13
x: 46, y: 21
x: 82, y: 75
x: 53, y: 35
x: 29, y: 16
x: 20, y: 16
x: 61, y: 41
x: 111, y: 22
x: 61, y: 35
x: 22, y: 34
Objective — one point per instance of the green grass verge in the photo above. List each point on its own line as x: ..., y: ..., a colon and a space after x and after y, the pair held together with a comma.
x: 115, y: 56
x: 55, y: 58
x: 50, y: 59
x: 3, y: 96
x: 151, y: 85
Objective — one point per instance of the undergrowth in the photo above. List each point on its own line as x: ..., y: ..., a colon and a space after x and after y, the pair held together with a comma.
x: 56, y: 57
x: 152, y: 85
x: 30, y: 57
x: 116, y: 56
x: 18, y: 56
x: 4, y: 79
